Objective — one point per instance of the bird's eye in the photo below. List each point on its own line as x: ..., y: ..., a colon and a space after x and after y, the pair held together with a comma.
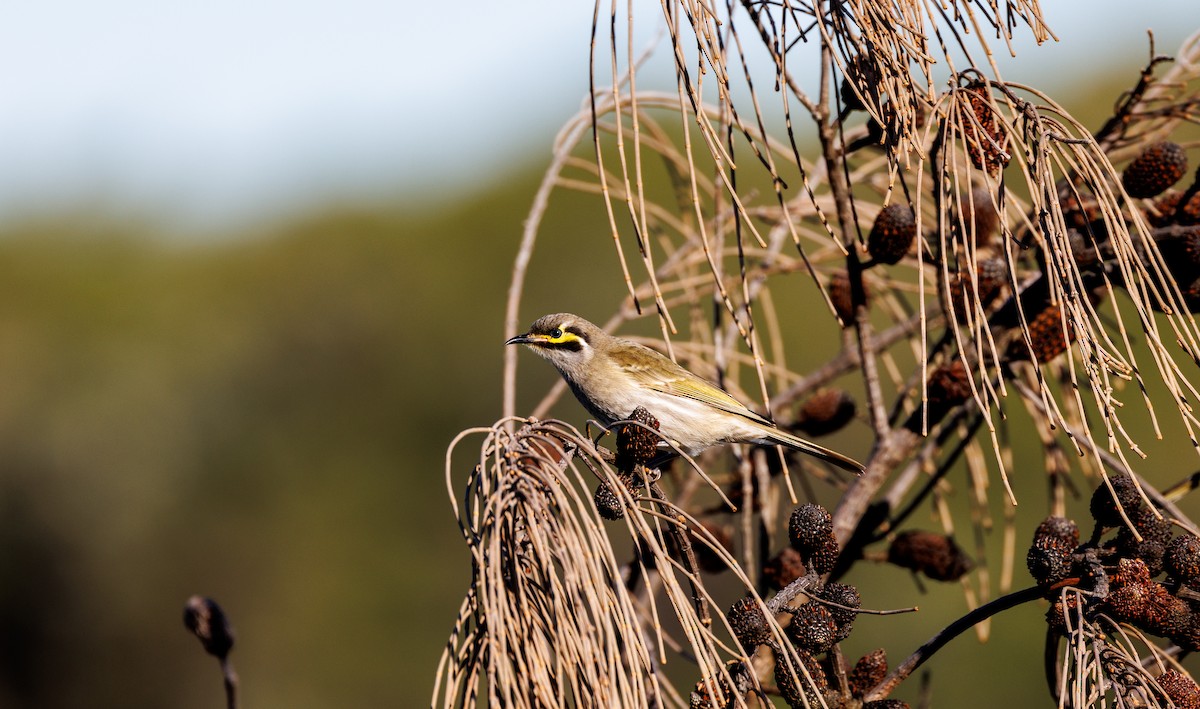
x: 555, y: 334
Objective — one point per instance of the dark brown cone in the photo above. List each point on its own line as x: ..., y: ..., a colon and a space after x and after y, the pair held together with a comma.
x: 935, y: 555
x: 1191, y: 246
x: 1056, y: 615
x: 868, y: 672
x: 794, y: 693
x: 1157, y: 168
x: 748, y: 623
x: 842, y: 298
x: 707, y: 557
x: 1191, y: 296
x: 893, y: 234
x: 1188, y: 634
x: 1083, y: 216
x: 1156, y: 535
x: 986, y: 142
x: 783, y: 568
x: 1182, y: 689
x: 843, y: 595
x: 1049, y: 560
x: 1103, y: 505
x: 826, y: 411
x: 865, y: 74
x: 1059, y: 528
x: 886, y: 704
x: 825, y: 558
x: 1135, y: 599
x: 989, y: 281
x: 1082, y: 251
x: 949, y: 385
x: 813, y: 628
x: 808, y: 527
x: 979, y: 215
x: 1166, y: 211
x: 608, y: 502
x: 1182, y: 559
x: 635, y: 444
x: 1046, y: 334
x: 716, y: 692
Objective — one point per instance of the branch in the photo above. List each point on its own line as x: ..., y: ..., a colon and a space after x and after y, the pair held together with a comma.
x: 958, y: 627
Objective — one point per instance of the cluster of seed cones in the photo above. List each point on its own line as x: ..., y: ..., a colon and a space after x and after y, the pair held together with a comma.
x: 813, y: 628
x: 637, y: 445
x: 1117, y: 574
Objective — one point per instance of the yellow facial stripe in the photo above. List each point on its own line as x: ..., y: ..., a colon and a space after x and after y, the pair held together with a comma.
x: 567, y: 336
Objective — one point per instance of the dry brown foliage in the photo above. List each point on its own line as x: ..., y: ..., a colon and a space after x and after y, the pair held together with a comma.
x: 1035, y: 283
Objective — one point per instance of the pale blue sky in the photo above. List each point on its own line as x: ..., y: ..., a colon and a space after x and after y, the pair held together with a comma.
x: 226, y: 111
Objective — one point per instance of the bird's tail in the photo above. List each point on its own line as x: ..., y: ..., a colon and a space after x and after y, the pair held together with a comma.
x: 781, y: 437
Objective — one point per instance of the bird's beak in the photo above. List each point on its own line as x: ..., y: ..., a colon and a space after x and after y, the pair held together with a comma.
x: 520, y: 340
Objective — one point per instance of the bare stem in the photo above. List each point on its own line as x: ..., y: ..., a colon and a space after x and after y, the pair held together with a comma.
x: 958, y: 627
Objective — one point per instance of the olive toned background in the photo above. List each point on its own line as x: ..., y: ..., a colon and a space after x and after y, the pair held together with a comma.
x: 258, y: 412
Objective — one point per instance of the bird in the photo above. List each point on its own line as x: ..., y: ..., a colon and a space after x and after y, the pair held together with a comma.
x: 612, y: 376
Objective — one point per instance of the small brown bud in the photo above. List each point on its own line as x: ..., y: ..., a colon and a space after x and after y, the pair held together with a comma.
x: 207, y: 621
x: 1083, y: 252
x: 935, y: 555
x: 1050, y: 555
x: 1157, y: 168
x: 863, y: 73
x: 1187, y: 634
x: 949, y: 385
x: 893, y: 234
x: 990, y: 278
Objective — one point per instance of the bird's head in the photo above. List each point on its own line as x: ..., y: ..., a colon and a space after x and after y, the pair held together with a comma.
x: 567, y: 340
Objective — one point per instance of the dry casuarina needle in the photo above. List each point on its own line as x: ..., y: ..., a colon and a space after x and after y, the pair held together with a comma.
x: 953, y: 280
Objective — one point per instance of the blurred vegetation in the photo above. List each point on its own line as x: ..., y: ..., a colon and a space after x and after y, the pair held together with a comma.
x: 261, y: 418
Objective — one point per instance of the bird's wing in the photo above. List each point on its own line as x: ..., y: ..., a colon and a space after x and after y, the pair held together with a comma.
x: 654, y: 371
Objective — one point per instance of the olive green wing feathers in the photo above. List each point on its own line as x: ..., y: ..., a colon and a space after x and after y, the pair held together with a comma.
x: 657, y: 372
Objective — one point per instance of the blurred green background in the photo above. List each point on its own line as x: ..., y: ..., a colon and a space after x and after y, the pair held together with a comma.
x: 258, y: 412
